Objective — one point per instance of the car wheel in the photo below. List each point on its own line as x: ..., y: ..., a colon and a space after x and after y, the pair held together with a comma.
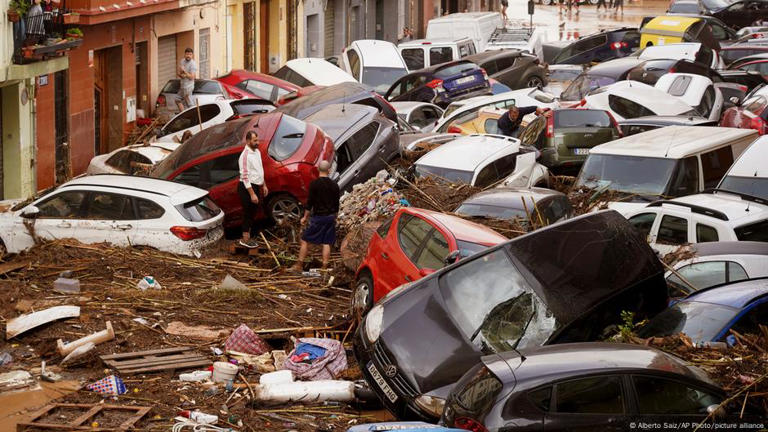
x: 284, y: 208
x: 362, y: 297
x: 534, y: 81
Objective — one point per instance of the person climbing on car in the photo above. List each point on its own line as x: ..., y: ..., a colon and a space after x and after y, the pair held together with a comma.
x: 321, y: 209
x: 509, y: 122
x: 251, y: 188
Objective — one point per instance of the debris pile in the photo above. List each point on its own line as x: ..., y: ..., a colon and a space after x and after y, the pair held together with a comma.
x: 435, y: 194
x: 374, y: 200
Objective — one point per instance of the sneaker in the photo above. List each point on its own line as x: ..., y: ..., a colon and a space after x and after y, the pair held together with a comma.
x: 250, y: 244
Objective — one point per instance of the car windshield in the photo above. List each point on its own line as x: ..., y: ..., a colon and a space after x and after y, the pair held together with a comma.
x: 563, y: 74
x: 505, y: 314
x: 700, y: 321
x: 199, y: 210
x: 381, y: 78
x: 752, y: 186
x: 685, y: 7
x: 583, y: 85
x: 287, y: 138
x: 453, y: 175
x: 628, y: 174
x: 490, y: 211
x: 577, y: 118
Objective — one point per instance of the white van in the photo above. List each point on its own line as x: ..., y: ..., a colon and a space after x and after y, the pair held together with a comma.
x: 478, y: 26
x: 667, y: 162
x: 376, y: 63
x: 423, y: 53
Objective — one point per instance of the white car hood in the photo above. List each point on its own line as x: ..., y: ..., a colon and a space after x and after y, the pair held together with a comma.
x: 626, y: 208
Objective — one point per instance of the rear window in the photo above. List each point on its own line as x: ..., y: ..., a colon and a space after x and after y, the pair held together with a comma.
x: 414, y: 58
x: 627, y: 108
x: 476, y: 396
x: 731, y: 55
x: 453, y: 175
x: 199, y: 210
x: 753, y: 232
x: 583, y: 85
x: 456, y: 69
x: 251, y: 107
x: 207, y: 87
x: 287, y: 138
x: 123, y: 160
x: 582, y: 118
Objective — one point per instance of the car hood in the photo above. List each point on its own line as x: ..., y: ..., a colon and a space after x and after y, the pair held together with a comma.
x: 7, y: 205
x: 625, y: 208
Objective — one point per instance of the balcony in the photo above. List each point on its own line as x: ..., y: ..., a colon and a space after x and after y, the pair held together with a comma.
x: 100, y: 11
x: 42, y: 35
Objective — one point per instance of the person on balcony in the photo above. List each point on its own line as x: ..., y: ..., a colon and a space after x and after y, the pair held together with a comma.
x: 35, y: 29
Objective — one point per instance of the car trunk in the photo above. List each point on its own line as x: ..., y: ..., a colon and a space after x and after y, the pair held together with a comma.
x: 465, y: 82
x: 570, y: 139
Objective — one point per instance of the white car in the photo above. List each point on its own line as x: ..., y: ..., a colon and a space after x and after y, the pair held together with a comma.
x: 695, y: 90
x: 376, y: 63
x: 194, y: 120
x: 116, y: 209
x: 422, y: 116
x: 309, y: 71
x: 630, y: 99
x: 483, y: 161
x: 692, y: 51
x: 423, y: 53
x: 130, y: 159
x: 522, y: 97
x: 716, y: 263
x: 749, y: 174
x: 705, y: 217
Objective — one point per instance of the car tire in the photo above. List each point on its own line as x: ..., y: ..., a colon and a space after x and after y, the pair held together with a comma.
x: 593, y: 2
x: 284, y: 207
x: 362, y: 296
x: 533, y: 81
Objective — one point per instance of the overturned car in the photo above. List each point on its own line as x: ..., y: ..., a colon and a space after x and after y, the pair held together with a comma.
x: 568, y: 282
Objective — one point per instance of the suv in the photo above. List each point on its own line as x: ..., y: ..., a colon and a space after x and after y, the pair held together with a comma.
x: 205, y: 91
x: 441, y: 84
x: 512, y: 68
x: 598, y: 47
x: 422, y: 53
x: 707, y: 217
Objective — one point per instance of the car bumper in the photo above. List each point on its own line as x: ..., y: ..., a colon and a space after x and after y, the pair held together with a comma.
x: 197, y: 246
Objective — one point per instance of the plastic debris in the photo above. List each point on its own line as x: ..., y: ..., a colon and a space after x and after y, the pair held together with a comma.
x: 230, y: 283
x: 196, y: 376
x: 5, y: 359
x: 111, y: 385
x: 148, y: 282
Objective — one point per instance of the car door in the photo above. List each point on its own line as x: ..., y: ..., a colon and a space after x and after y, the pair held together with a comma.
x: 56, y: 218
x: 644, y: 224
x: 261, y: 89
x: 362, y: 159
x: 153, y: 226
x: 666, y: 400
x: 704, y: 275
x: 748, y: 321
x: 107, y: 217
x: 400, y: 253
x: 672, y: 232
x: 588, y: 404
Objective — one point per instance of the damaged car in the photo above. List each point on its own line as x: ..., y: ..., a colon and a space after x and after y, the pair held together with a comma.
x: 568, y: 282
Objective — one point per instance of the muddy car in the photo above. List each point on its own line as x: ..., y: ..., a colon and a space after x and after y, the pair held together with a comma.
x: 420, y: 339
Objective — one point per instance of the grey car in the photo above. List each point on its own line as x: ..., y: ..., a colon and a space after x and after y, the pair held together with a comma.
x: 365, y: 141
x: 514, y: 68
x: 206, y: 91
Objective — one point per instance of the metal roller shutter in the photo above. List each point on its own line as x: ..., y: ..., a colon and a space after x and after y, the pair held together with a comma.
x: 329, y: 28
x: 166, y: 60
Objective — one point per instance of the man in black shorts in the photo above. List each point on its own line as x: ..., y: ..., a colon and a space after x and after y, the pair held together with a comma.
x: 321, y: 209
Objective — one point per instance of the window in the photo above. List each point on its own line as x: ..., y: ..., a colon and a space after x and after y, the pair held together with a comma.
x: 64, y: 205
x: 219, y: 170
x: 260, y: 89
x: 756, y: 105
x: 185, y: 120
x: 643, y: 223
x: 627, y: 108
x: 354, y: 63
x: 361, y: 140
x: 491, y: 126
x: 109, y: 206
x: 761, y: 67
x: 628, y: 130
x: 190, y: 176
x: 590, y: 43
x: 504, y: 63
x: 718, y: 32
x: 438, y: 55
x: 541, y: 398
x: 411, y: 231
x: 530, y: 135
x: 706, y: 274
x: 680, y: 85
x: 673, y: 230
x: 715, y: 164
x: 705, y: 55
x: 125, y: 161
x: 383, y: 229
x: 414, y: 58
x: 505, y: 165
x: 571, y: 118
x: 199, y: 210
x: 343, y: 158
x: 686, y: 178
x: 663, y: 396
x: 464, y: 50
x: 476, y: 398
x: 433, y: 254
x: 148, y: 209
x: 705, y: 233
x: 704, y: 108
x: 287, y: 138
x: 595, y: 395
x: 753, y: 232
x: 486, y: 177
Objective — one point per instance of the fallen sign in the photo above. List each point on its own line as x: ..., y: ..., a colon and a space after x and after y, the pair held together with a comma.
x: 27, y: 322
x: 85, y: 420
x: 155, y: 360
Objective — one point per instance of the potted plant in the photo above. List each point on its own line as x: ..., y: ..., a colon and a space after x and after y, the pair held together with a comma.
x: 17, y: 9
x: 74, y: 33
x: 71, y: 18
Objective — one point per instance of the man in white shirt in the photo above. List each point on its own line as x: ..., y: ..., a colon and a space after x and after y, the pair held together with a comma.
x: 251, y: 188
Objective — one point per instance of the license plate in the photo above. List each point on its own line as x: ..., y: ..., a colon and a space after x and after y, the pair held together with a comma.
x: 465, y: 80
x: 391, y: 395
x: 581, y: 151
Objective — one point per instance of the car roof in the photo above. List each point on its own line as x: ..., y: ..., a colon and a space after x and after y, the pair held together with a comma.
x: 511, y: 197
x: 403, y: 107
x: 336, y: 119
x: 729, y: 248
x: 246, y: 75
x: 671, y: 51
x: 614, y: 68
x: 487, y: 55
x: 737, y: 295
x: 322, y: 71
x: 177, y: 192
x: 674, y: 142
x: 732, y: 206
x: 547, y: 363
x: 386, y: 53
x: 341, y: 92
x: 666, y: 120
x: 462, y: 229
x: 467, y: 153
x: 433, y: 41
x: 752, y: 162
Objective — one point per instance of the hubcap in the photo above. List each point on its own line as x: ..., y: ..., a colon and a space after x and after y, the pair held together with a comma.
x: 360, y: 299
x: 534, y: 82
x: 285, y: 209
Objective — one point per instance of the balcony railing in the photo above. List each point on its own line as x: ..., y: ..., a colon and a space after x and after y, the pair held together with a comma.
x: 42, y: 34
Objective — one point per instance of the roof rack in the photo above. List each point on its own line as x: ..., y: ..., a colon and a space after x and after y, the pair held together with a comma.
x: 739, y: 194
x: 694, y: 208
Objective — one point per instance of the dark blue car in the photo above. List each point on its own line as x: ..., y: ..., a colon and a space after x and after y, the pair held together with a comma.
x: 441, y: 84
x: 598, y: 47
x: 708, y: 315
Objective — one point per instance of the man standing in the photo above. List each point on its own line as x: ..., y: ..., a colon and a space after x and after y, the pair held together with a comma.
x: 251, y: 187
x: 509, y: 122
x: 322, y: 206
x: 187, y: 74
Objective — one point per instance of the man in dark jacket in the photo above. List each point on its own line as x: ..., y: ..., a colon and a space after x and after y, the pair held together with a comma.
x: 509, y: 122
x: 321, y: 209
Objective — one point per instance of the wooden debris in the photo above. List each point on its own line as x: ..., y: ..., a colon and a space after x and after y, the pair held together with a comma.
x: 155, y: 360
x: 85, y: 420
x: 196, y: 332
x: 27, y: 322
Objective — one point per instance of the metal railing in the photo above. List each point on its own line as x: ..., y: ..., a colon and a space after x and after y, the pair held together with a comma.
x: 42, y: 26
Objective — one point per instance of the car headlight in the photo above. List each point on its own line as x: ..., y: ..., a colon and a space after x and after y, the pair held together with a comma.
x: 373, y: 323
x: 431, y: 404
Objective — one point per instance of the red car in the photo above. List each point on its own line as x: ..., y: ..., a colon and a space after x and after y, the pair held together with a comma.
x: 413, y: 244
x: 241, y: 83
x: 752, y: 114
x: 290, y: 151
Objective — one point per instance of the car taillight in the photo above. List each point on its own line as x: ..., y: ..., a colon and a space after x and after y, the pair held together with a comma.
x: 615, y: 124
x: 743, y: 88
x: 618, y: 45
x: 485, y: 74
x: 758, y: 124
x: 582, y: 103
x: 435, y: 83
x: 550, y: 126
x: 454, y: 129
x: 160, y: 100
x: 188, y: 233
x: 672, y: 70
x: 469, y: 424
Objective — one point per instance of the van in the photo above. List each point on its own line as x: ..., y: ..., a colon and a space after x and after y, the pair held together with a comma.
x: 523, y: 38
x: 305, y: 72
x: 668, y: 162
x: 423, y: 53
x: 375, y: 63
x: 669, y: 29
x: 478, y: 26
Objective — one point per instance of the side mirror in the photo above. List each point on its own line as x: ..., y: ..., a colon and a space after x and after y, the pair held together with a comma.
x: 426, y: 271
x: 734, y: 100
x: 717, y: 411
x: 452, y: 257
x: 31, y: 212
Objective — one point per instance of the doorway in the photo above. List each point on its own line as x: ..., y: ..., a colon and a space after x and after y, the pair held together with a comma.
x: 264, y: 36
x: 108, y: 99
x: 380, y: 19
x: 60, y: 103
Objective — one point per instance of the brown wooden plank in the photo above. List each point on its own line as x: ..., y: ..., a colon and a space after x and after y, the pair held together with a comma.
x: 153, y: 359
x: 93, y: 409
x: 12, y: 266
x: 167, y: 367
x: 129, y: 423
x: 88, y: 414
x: 145, y: 353
x: 120, y: 366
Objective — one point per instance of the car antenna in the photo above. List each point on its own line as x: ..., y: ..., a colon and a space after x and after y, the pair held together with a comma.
x: 671, y: 141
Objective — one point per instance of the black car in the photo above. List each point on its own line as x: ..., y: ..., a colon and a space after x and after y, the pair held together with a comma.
x: 721, y: 32
x: 567, y: 282
x: 736, y: 54
x: 600, y: 75
x: 599, y: 47
x: 643, y: 124
x: 513, y: 68
x: 543, y: 206
x: 742, y: 13
x: 441, y: 84
x: 348, y: 92
x: 607, y: 387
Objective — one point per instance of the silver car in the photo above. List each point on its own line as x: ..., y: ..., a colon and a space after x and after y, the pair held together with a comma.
x: 206, y: 91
